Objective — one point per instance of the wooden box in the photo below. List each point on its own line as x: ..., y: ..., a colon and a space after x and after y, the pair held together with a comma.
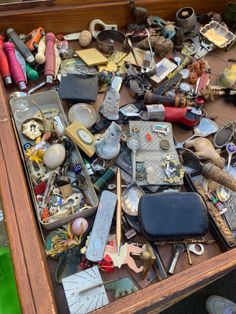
x: 32, y: 275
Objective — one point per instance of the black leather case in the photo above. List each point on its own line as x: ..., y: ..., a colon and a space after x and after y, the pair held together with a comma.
x: 173, y: 216
x: 78, y: 89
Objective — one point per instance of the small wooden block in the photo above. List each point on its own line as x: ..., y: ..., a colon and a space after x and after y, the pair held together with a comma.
x: 92, y: 56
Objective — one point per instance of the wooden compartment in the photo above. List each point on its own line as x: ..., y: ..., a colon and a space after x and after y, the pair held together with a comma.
x: 32, y: 274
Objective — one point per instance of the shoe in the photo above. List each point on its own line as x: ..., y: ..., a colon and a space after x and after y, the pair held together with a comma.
x: 219, y: 305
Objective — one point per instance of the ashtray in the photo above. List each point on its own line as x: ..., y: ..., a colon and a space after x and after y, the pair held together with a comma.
x: 217, y: 34
x: 84, y: 113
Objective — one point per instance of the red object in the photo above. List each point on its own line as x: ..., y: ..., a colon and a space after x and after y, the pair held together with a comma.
x: 180, y: 115
x: 106, y: 265
x: 45, y: 214
x: 4, y: 65
x: 148, y: 137
x: 49, y: 69
x: 174, y: 114
x: 60, y: 37
x: 200, y: 100
x: 202, y: 82
x: 16, y: 70
x: 40, y: 188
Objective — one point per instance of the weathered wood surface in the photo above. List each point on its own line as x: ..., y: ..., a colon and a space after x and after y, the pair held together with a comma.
x: 34, y: 287
x: 71, y: 16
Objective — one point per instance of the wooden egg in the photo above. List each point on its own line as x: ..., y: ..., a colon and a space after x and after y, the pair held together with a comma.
x: 85, y: 38
x: 79, y: 226
x: 54, y: 156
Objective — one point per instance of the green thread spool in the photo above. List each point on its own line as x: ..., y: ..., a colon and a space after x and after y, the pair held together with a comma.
x: 102, y: 182
x: 32, y: 74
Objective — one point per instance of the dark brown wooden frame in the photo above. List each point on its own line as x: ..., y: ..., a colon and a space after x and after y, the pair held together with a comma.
x: 31, y: 271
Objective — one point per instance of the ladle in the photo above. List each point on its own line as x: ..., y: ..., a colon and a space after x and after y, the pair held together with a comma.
x: 132, y: 194
x: 206, y: 127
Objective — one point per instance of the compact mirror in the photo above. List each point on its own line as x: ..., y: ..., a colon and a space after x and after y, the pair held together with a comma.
x: 206, y: 127
x: 203, y: 129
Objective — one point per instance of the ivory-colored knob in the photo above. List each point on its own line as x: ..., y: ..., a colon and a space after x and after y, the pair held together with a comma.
x: 85, y: 38
x: 40, y: 57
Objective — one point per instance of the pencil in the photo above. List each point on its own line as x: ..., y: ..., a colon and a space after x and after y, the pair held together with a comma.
x: 118, y: 210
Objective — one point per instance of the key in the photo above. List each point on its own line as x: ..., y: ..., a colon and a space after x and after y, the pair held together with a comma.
x: 178, y: 250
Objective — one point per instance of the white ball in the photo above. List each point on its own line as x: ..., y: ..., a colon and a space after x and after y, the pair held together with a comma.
x: 54, y: 156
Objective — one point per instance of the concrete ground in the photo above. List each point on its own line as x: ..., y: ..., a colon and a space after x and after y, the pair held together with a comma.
x: 195, y: 304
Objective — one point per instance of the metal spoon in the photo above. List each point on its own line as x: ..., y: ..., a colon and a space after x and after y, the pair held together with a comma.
x: 131, y: 196
x: 206, y: 127
x: 231, y: 149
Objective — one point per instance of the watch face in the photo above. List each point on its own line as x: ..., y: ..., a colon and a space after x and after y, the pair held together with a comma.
x: 85, y: 136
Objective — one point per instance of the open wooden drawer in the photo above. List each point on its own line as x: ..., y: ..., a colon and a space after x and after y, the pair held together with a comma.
x: 33, y: 279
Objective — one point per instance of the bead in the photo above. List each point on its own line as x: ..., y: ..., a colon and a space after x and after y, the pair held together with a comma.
x: 27, y: 146
x: 79, y: 226
x: 77, y: 168
x: 148, y: 137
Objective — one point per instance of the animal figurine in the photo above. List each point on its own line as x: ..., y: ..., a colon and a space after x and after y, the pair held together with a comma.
x: 155, y: 21
x: 108, y: 146
x: 139, y: 13
x: 205, y: 150
x: 121, y: 287
x: 124, y: 256
x: 168, y: 30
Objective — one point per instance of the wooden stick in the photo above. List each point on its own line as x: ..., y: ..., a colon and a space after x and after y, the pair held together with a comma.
x: 118, y: 210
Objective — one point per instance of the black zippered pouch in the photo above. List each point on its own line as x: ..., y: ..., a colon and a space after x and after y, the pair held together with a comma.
x: 173, y: 216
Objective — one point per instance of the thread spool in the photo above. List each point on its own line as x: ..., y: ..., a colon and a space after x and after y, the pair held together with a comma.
x: 40, y: 57
x: 102, y: 182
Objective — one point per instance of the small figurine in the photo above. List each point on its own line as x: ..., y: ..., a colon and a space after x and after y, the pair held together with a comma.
x: 205, y: 150
x: 110, y: 105
x: 108, y: 147
x: 121, y: 287
x: 168, y: 30
x: 139, y: 13
x: 125, y: 255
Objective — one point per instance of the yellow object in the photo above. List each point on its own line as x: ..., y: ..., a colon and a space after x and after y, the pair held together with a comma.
x: 215, y: 37
x: 228, y: 77
x: 139, y: 54
x: 92, y: 56
x: 81, y: 136
x: 36, y: 156
x: 110, y: 67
